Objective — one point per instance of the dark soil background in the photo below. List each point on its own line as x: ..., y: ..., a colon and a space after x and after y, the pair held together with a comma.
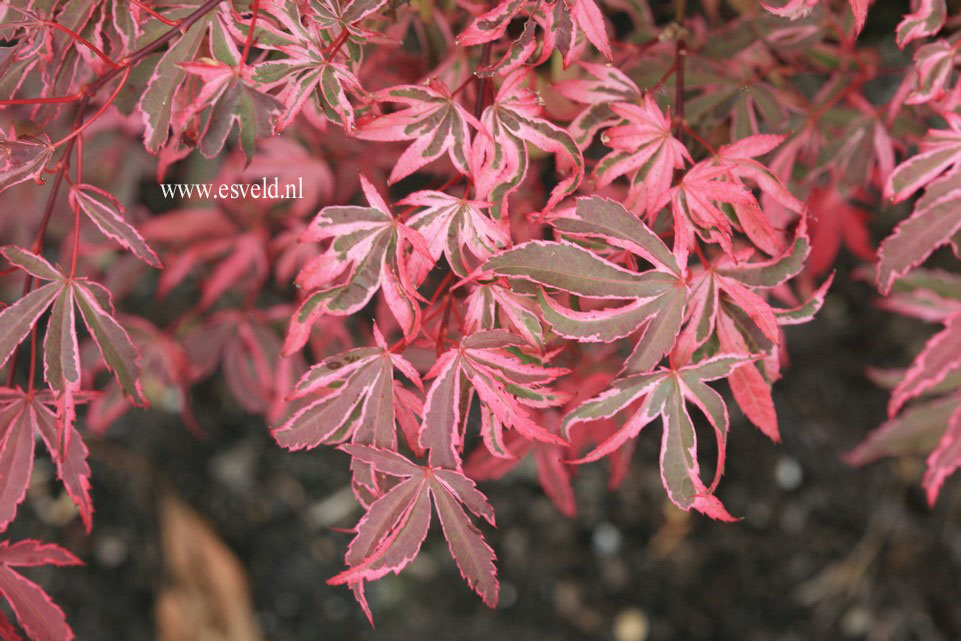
x: 823, y: 551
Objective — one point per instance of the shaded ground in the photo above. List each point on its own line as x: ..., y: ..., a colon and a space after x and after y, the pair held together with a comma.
x: 824, y: 551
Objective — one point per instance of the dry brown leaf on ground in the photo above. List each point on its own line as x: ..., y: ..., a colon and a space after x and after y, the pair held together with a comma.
x: 205, y: 596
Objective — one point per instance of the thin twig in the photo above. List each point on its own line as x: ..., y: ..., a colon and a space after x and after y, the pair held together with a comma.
x: 680, y: 53
x: 485, y: 62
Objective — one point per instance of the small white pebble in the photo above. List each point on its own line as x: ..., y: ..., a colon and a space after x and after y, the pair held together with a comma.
x: 788, y: 474
x: 606, y: 540
x: 111, y: 550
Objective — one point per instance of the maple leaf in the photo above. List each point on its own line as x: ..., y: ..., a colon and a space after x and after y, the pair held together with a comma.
x: 931, y: 295
x: 356, y: 401
x: 939, y: 151
x: 501, y: 158
x: 861, y: 153
x: 945, y: 458
x: 106, y: 212
x: 491, y: 304
x: 645, y: 148
x: 306, y: 72
x: 792, y: 9
x: 390, y: 535
x: 607, y: 85
x: 795, y: 9
x: 694, y: 201
x: 562, y: 22
x: 940, y: 358
x: 24, y: 416
x: 725, y: 303
x: 229, y: 96
x: 926, y: 20
x: 61, y: 352
x: 554, y: 471
x: 370, y: 247
x: 928, y: 426
x: 245, y: 343
x: 658, y: 296
x: 666, y: 392
x: 432, y: 119
x: 915, y: 431
x: 923, y: 414
x: 345, y: 15
x: 157, y: 103
x: 935, y: 64
x: 40, y: 617
x: 490, y: 365
x: 450, y: 225
x: 22, y: 158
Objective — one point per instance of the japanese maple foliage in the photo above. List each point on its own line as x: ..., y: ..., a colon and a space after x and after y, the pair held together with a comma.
x: 530, y: 229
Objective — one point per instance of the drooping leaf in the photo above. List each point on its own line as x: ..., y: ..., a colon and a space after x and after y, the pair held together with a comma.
x: 665, y: 393
x: 484, y: 364
x: 356, y: 401
x: 24, y: 417
x: 40, y: 617
x: 390, y: 535
x: 915, y: 431
x: 117, y: 350
x: 945, y: 458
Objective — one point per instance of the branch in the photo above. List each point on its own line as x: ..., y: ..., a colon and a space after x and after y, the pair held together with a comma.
x: 680, y: 54
x: 79, y: 125
x: 484, y: 62
x: 148, y: 49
